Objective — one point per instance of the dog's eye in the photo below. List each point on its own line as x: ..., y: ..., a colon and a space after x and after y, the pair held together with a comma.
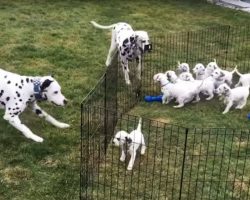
x: 56, y: 92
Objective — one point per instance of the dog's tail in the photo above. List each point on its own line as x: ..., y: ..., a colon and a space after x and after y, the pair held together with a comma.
x: 237, y: 72
x: 139, y: 125
x: 101, y: 26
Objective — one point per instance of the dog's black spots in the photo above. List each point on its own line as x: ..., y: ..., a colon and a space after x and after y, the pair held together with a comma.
x: 123, y: 53
x: 20, y: 100
x: 17, y: 108
x: 5, y: 76
x: 22, y: 81
x: 128, y: 140
x: 8, y: 82
x: 31, y: 80
x: 15, y: 98
x: 13, y: 109
x: 12, y: 115
x: 16, y: 84
x: 46, y: 84
x: 125, y: 67
x: 7, y: 98
x: 18, y: 94
x: 16, y: 104
x: 38, y: 112
x: 126, y: 49
x: 16, y: 113
x: 125, y: 41
x: 1, y: 93
x: 132, y: 39
x: 29, y: 100
x: 3, y: 103
x: 120, y: 48
x: 27, y: 80
x: 20, y: 87
x: 9, y: 108
x: 31, y: 96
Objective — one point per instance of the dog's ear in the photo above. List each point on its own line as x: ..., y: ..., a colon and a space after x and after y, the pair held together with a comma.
x: 222, y: 74
x: 45, y: 84
x: 168, y: 75
x: 226, y: 89
x: 128, y: 140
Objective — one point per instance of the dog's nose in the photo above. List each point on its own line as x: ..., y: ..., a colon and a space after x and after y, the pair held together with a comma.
x: 65, y: 101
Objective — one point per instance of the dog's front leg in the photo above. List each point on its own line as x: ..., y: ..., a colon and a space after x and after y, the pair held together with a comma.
x: 229, y: 105
x: 15, y: 121
x: 41, y: 113
x: 132, y: 159
x: 139, y: 67
x: 112, y: 51
x: 126, y: 71
x: 123, y: 155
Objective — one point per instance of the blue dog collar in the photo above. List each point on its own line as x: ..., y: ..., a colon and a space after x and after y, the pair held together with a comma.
x: 37, y: 90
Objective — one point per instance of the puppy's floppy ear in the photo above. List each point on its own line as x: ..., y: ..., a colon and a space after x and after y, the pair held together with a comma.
x: 45, y: 84
x: 222, y: 74
x: 128, y: 140
x: 226, y: 89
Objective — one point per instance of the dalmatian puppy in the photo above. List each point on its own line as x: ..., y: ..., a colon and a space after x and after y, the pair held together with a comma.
x: 207, y: 85
x: 183, y: 67
x: 236, y: 96
x: 244, y: 79
x: 17, y: 92
x: 129, y: 44
x: 182, y: 91
x: 133, y: 140
x: 223, y: 76
x: 199, y: 71
x: 210, y: 68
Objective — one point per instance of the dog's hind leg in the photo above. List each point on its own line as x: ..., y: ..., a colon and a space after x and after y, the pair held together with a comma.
x: 15, y: 121
x: 41, y: 113
x: 143, y: 147
x: 126, y: 71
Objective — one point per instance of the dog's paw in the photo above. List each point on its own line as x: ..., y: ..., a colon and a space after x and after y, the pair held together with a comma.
x: 129, y: 168
x: 122, y: 159
x: 128, y: 82
x: 224, y: 112
x: 36, y: 138
x: 63, y: 125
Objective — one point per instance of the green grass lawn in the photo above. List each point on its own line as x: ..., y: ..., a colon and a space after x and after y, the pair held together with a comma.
x: 55, y: 37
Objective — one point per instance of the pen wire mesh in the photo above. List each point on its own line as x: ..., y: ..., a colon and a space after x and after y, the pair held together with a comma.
x: 180, y: 162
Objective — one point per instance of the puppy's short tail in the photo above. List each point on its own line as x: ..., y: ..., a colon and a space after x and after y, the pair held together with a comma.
x: 236, y: 70
x: 101, y: 26
x: 139, y: 125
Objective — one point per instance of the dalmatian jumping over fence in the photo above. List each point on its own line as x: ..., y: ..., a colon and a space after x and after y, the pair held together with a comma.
x: 17, y: 92
x: 129, y: 43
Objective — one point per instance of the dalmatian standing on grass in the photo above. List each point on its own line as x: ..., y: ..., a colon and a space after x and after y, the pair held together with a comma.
x: 17, y: 92
x: 129, y: 43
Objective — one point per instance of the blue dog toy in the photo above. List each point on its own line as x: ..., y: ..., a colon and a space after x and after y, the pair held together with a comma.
x: 248, y: 115
x: 153, y: 98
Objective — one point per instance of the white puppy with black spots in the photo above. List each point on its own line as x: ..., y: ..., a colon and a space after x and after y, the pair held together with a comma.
x: 17, y: 92
x: 182, y: 67
x: 130, y: 142
x: 236, y: 96
x: 128, y: 43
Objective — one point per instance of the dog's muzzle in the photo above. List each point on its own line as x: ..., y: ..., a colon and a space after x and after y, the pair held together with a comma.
x: 148, y: 48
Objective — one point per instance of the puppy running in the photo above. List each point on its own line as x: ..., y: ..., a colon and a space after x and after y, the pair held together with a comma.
x: 17, y: 92
x: 129, y: 43
x: 236, y: 96
x: 133, y: 142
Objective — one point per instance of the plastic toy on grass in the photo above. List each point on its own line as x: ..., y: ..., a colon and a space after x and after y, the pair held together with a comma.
x: 153, y: 98
x: 248, y: 116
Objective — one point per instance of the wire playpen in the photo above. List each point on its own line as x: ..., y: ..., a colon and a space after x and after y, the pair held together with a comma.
x: 180, y: 162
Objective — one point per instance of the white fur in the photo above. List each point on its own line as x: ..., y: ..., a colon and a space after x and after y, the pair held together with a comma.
x: 183, y: 67
x: 133, y: 140
x: 16, y: 92
x: 182, y: 91
x: 139, y: 44
x: 199, y: 71
x: 206, y: 86
x: 222, y: 76
x: 244, y: 79
x: 236, y: 96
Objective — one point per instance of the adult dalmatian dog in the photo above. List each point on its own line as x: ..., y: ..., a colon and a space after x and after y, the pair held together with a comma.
x: 129, y: 43
x: 17, y: 92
